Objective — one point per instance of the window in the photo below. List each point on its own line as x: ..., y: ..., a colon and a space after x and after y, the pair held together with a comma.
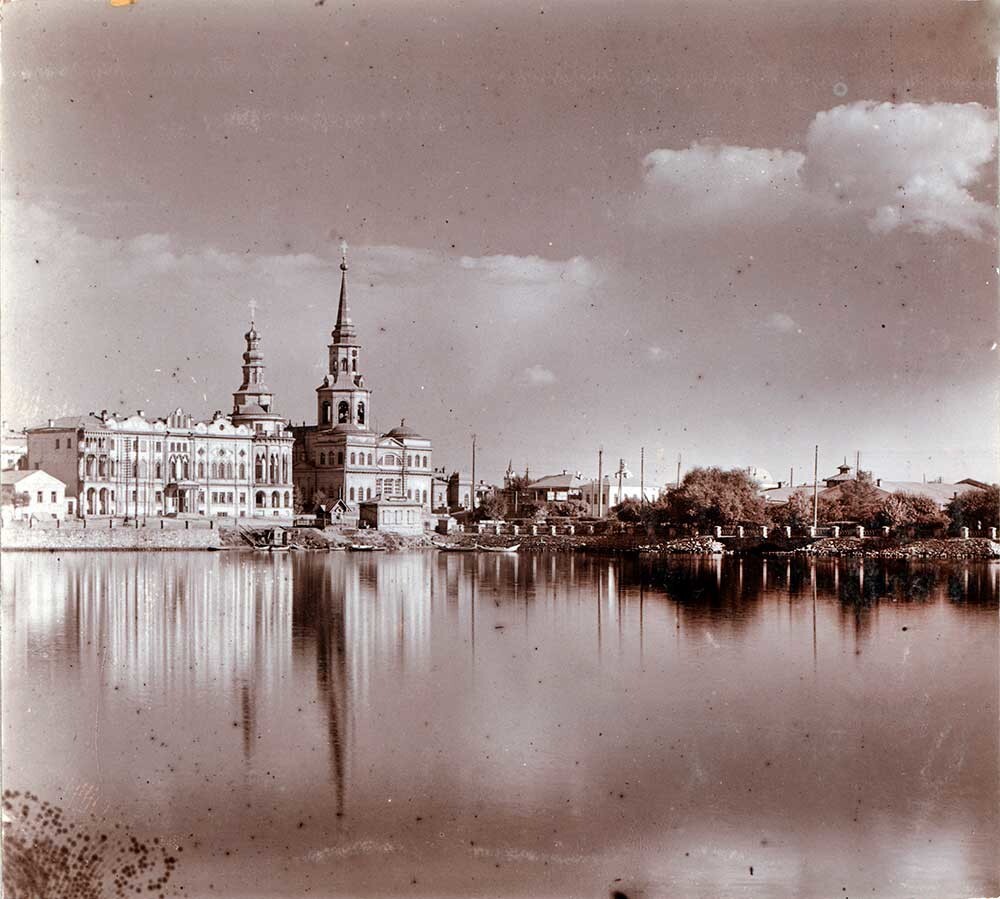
x: 352, y: 458
x: 409, y: 494
x: 243, y: 471
x: 288, y: 499
x: 352, y: 494
x: 259, y: 469
x: 340, y: 457
x: 243, y: 498
x: 159, y: 496
x: 69, y: 443
x: 201, y: 470
x: 409, y: 461
x: 343, y: 410
x: 57, y: 443
x: 322, y: 458
x: 343, y: 364
x: 361, y: 412
x: 325, y: 415
x: 39, y: 495
x: 368, y: 493
x: 159, y: 446
x: 159, y: 471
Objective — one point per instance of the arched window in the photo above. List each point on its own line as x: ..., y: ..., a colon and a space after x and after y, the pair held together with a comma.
x: 369, y: 458
x: 284, y: 469
x: 409, y: 461
x: 343, y: 364
x: 229, y: 470
x: 258, y: 469
x: 354, y: 364
x: 343, y: 410
x: 368, y: 493
x: 260, y: 499
x: 201, y: 470
x: 352, y: 458
x: 340, y: 457
x: 409, y: 494
x: 275, y: 500
x: 425, y: 462
x: 159, y: 471
x: 425, y: 496
x: 361, y: 413
x: 351, y: 494
x: 187, y: 469
x: 215, y: 470
x: 326, y: 412
x: 243, y: 470
x: 273, y: 470
x: 102, y: 467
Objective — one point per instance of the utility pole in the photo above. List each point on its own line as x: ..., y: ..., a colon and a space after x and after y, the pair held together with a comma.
x: 678, y: 470
x: 600, y: 480
x: 621, y: 472
x: 816, y: 488
x: 857, y: 465
x: 473, y: 498
x: 642, y: 474
x: 791, y: 477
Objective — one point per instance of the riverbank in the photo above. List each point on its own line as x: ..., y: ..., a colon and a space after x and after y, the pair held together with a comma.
x: 127, y: 539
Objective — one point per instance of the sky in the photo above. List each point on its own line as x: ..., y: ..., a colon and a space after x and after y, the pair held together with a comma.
x: 727, y: 232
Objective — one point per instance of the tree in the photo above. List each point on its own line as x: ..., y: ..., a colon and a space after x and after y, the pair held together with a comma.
x: 629, y: 510
x: 909, y: 509
x: 796, y: 513
x: 975, y: 509
x: 491, y: 507
x: 571, y: 508
x: 710, y: 497
x: 857, y: 500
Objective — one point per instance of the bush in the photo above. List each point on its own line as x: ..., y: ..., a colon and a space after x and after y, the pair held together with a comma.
x: 901, y: 510
x: 974, y: 509
x: 710, y: 496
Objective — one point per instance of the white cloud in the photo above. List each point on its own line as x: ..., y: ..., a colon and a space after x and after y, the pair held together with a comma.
x: 909, y: 166
x: 537, y: 374
x: 707, y: 183
x: 532, y: 269
x: 785, y: 324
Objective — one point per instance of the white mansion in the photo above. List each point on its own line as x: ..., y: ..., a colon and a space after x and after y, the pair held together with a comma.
x: 236, y: 466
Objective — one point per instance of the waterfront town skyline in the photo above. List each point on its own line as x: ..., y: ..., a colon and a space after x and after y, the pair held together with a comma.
x: 593, y: 243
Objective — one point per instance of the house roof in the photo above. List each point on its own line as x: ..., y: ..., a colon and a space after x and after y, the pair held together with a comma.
x: 942, y: 494
x: 15, y: 476
x: 784, y: 494
x: 557, y: 481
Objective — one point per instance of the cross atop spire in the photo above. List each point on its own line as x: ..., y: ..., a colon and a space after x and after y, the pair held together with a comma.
x: 343, y: 331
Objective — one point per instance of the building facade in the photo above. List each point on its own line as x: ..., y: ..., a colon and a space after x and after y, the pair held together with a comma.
x: 237, y: 466
x: 33, y: 494
x: 341, y: 456
x: 13, y: 448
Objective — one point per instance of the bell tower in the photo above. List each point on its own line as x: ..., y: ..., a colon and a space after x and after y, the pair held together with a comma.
x: 342, y: 398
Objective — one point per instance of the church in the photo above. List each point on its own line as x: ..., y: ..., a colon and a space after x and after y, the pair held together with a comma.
x: 341, y: 457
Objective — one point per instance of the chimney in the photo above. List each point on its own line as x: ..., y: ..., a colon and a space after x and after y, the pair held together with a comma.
x: 878, y: 482
x: 52, y: 422
x: 140, y: 413
x: 104, y: 414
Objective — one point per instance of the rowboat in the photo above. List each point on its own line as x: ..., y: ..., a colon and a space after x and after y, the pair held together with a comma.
x: 363, y: 547
x: 499, y: 549
x: 455, y: 548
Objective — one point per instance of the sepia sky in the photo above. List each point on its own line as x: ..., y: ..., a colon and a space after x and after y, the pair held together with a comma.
x: 727, y: 230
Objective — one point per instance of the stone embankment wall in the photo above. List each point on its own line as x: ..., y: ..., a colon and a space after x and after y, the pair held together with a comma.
x: 120, y: 538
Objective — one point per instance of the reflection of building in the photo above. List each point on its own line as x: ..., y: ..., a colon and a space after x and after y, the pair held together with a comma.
x: 341, y: 457
x: 237, y: 466
x: 33, y: 494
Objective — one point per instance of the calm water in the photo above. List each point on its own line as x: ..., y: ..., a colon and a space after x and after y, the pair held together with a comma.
x: 541, y: 725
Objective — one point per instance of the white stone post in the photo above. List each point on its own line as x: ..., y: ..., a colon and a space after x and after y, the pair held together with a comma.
x: 835, y: 530
x: 570, y: 530
x: 739, y: 530
x: 717, y: 531
x: 552, y: 530
x: 885, y: 530
x: 788, y: 531
x: 534, y: 530
x: 812, y: 531
x: 993, y: 533
x: 763, y: 532
x: 861, y: 531
x: 965, y: 533
x: 515, y: 530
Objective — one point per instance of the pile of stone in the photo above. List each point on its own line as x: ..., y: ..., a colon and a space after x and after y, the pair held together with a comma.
x: 979, y: 548
x: 836, y: 546
x: 688, y: 545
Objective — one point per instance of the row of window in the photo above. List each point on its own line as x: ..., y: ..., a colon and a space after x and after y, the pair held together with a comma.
x: 180, y: 469
x: 40, y: 497
x: 389, y: 459
x: 97, y: 502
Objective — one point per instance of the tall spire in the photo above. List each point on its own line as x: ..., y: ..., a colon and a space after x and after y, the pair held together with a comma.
x: 343, y: 331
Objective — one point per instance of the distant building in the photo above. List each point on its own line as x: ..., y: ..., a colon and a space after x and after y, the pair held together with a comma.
x: 439, y: 489
x: 599, y: 501
x: 557, y: 488
x: 460, y: 491
x: 33, y: 494
x: 341, y: 457
x: 13, y: 448
x: 395, y: 514
x: 238, y: 466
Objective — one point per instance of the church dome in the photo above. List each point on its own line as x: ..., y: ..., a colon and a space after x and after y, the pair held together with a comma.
x: 402, y: 431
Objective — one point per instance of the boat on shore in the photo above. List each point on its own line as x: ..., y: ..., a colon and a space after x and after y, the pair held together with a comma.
x: 363, y: 548
x: 455, y: 548
x: 499, y: 549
